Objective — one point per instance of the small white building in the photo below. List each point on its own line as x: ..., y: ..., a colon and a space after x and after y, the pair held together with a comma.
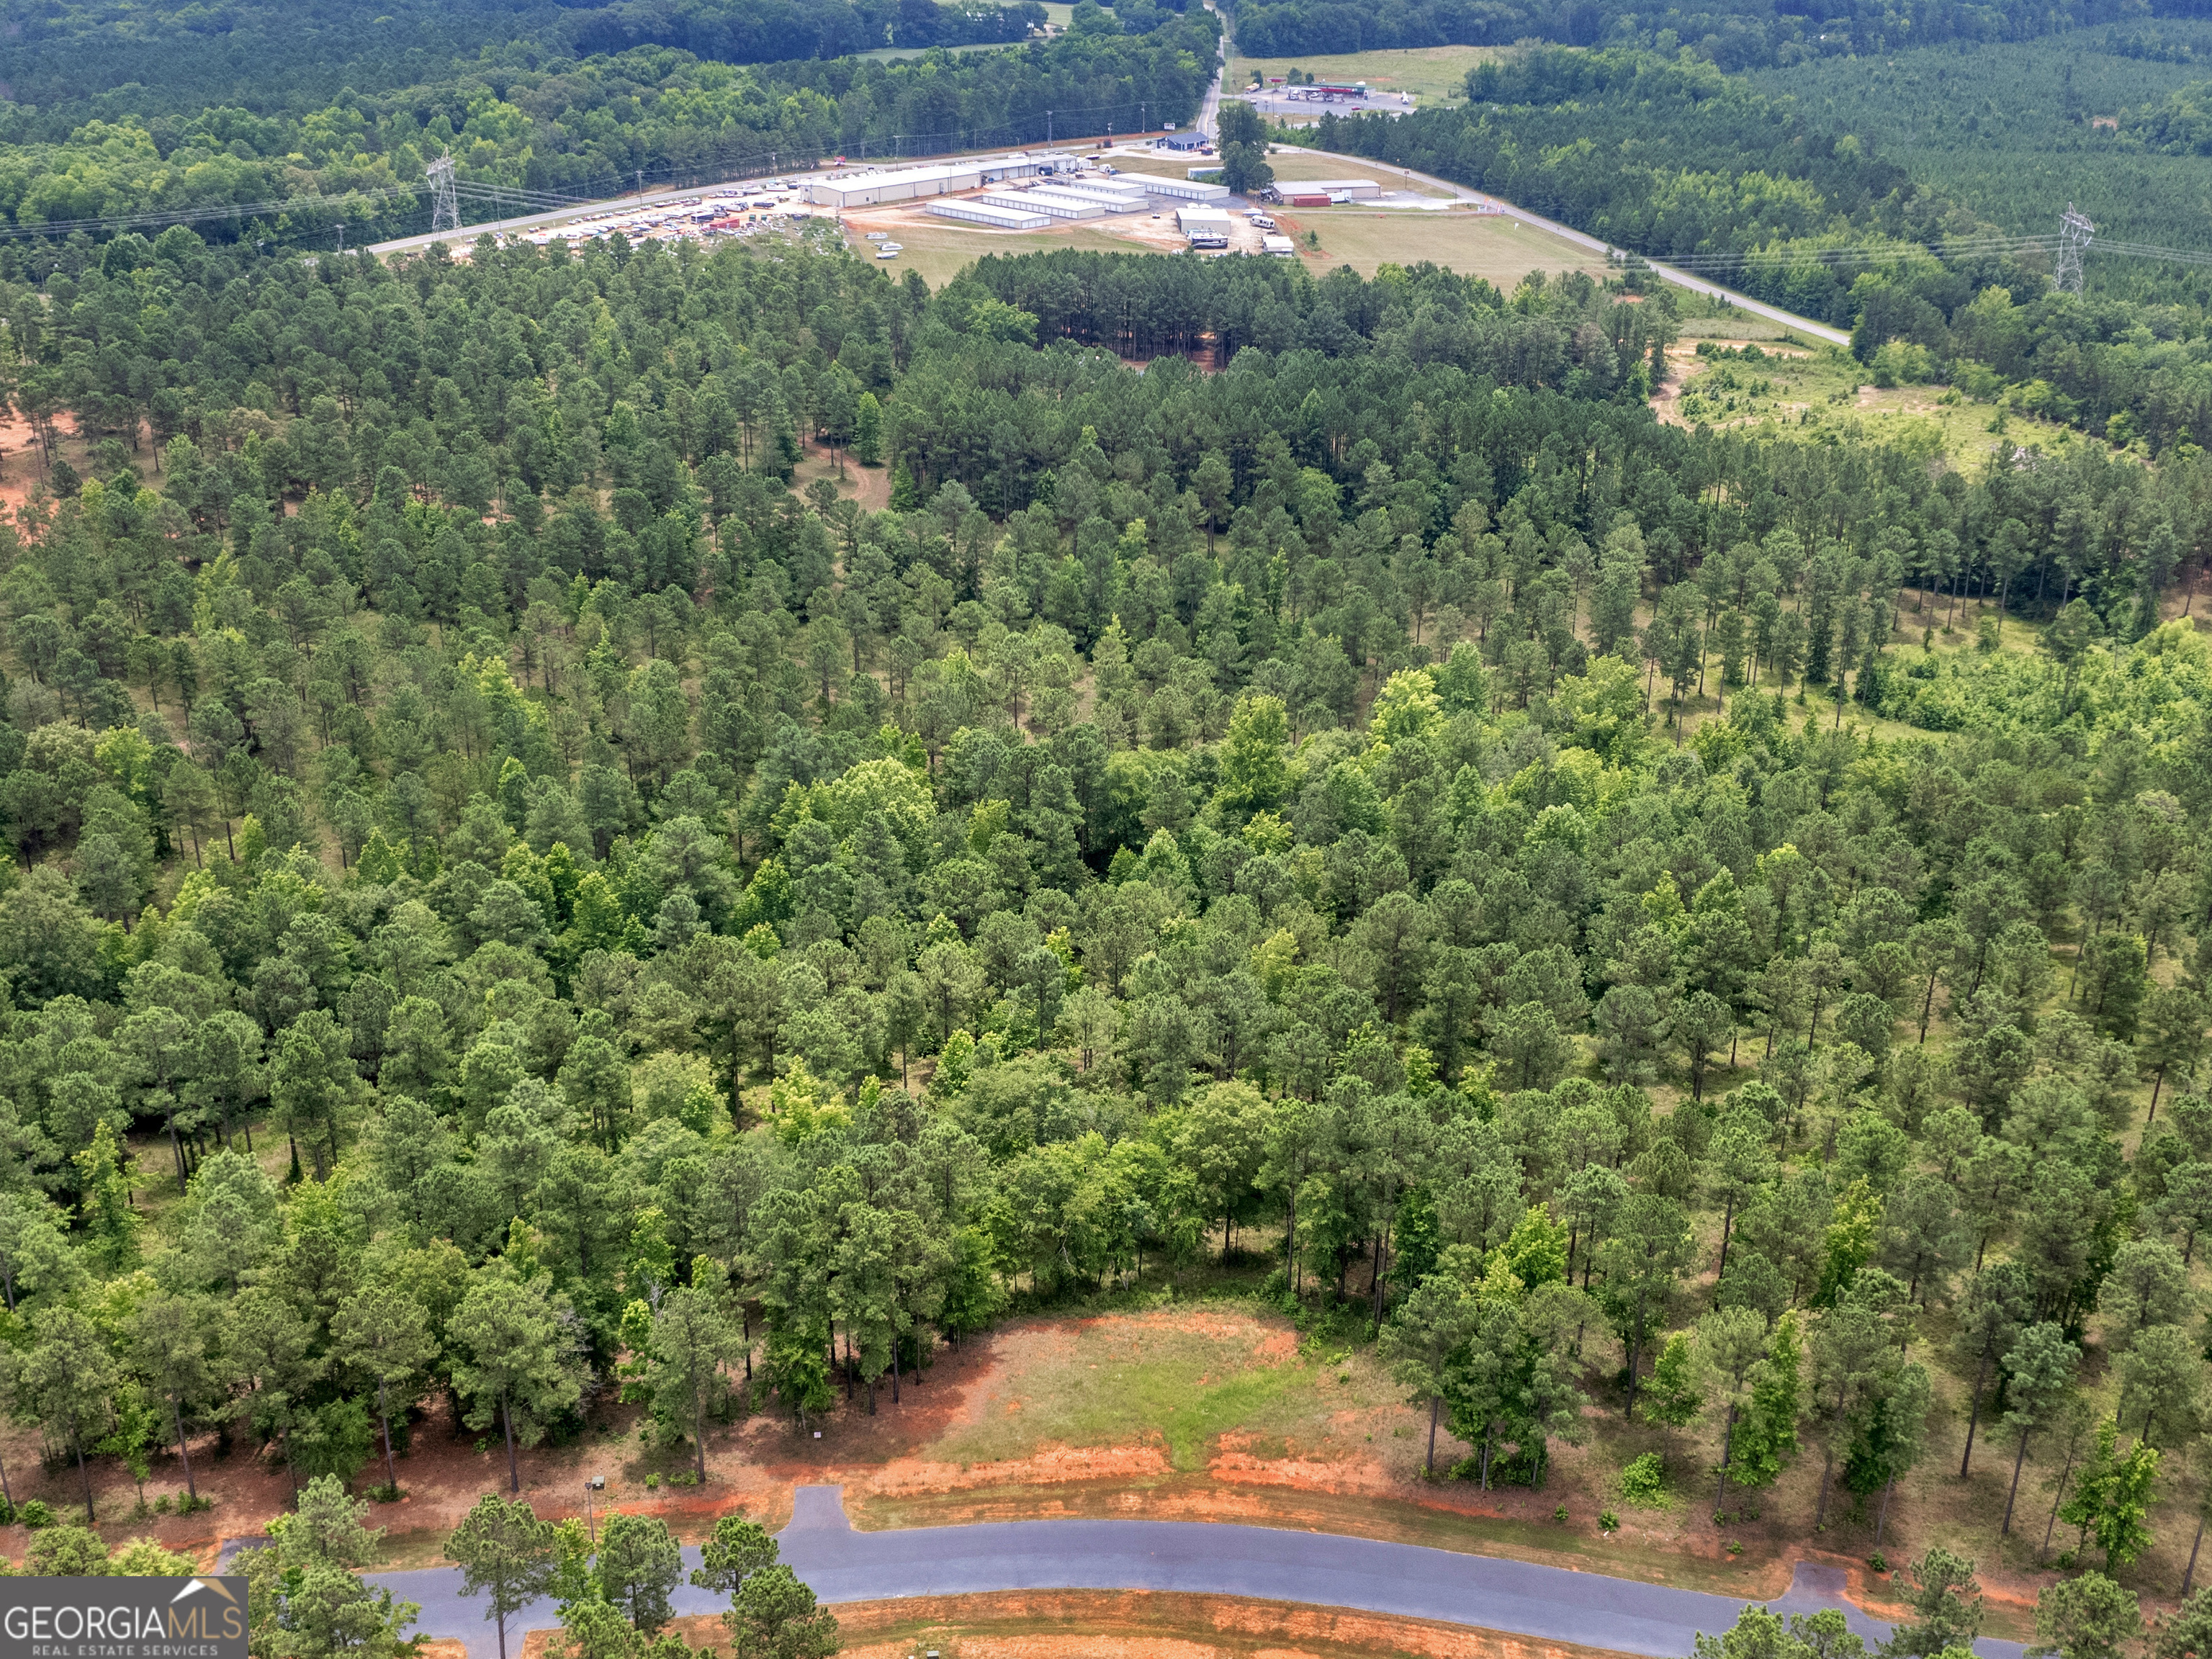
x: 1280, y: 246
x: 1203, y: 227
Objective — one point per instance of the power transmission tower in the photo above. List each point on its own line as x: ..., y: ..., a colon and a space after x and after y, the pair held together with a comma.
x: 2074, y: 234
x: 445, y: 212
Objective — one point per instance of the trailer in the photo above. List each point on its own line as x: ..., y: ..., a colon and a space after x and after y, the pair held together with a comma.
x: 1203, y: 227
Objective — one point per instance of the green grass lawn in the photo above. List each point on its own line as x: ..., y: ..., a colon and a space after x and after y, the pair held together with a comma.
x: 1434, y: 74
x: 1497, y: 249
x: 1187, y: 1387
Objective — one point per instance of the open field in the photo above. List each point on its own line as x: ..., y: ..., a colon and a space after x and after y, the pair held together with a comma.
x: 889, y: 54
x: 1133, y: 1625
x: 1434, y: 74
x: 1795, y: 384
x: 1290, y: 165
x: 1293, y: 165
x: 1496, y: 248
x: 940, y: 249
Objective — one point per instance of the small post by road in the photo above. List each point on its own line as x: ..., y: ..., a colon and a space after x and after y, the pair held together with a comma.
x: 597, y: 1483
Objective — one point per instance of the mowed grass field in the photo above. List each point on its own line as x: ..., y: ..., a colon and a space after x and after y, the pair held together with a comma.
x: 940, y: 253
x: 1495, y: 249
x: 1179, y: 1382
x: 1434, y: 74
x: 1500, y: 250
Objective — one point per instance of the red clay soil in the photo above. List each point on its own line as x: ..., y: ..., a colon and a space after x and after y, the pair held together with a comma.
x: 1131, y: 1624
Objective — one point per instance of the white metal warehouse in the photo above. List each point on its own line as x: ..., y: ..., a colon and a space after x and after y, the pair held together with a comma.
x: 1349, y: 190
x: 1040, y: 200
x: 1187, y: 189
x: 913, y: 184
x: 1204, y: 227
x: 1126, y: 194
x: 1116, y: 203
x: 983, y: 213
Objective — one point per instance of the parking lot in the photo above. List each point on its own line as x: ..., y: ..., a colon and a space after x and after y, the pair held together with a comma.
x: 1294, y: 103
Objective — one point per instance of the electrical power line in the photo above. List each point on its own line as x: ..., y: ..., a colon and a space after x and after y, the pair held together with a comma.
x: 2074, y: 234
x: 445, y: 213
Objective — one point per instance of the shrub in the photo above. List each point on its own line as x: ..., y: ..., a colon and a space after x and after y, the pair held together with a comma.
x: 1607, y: 1521
x: 36, y: 1514
x: 1644, y: 1482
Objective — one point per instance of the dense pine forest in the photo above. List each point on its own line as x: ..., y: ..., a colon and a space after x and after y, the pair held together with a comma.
x: 525, y: 891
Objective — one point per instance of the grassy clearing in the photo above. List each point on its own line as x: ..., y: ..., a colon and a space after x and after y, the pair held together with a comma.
x: 1434, y: 74
x: 1825, y: 387
x: 940, y: 253
x: 1148, y: 1381
x: 888, y: 54
x: 1292, y: 165
x: 1498, y: 249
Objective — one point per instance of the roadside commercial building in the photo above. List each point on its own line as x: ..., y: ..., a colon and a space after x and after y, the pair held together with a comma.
x: 857, y: 189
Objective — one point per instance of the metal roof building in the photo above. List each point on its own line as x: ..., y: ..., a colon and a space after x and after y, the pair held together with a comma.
x: 1204, y: 227
x: 1350, y: 190
x: 1187, y: 189
x: 1050, y: 202
x: 984, y: 213
x: 854, y: 190
x: 1124, y: 195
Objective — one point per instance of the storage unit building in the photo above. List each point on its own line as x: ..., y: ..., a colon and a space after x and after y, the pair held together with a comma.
x: 1046, y: 202
x: 971, y: 212
x: 1187, y: 189
x: 1279, y: 246
x: 1203, y: 227
x: 1121, y: 195
x: 1074, y: 197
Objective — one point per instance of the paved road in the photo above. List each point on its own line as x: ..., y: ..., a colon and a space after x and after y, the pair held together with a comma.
x: 1696, y: 284
x: 1520, y: 1598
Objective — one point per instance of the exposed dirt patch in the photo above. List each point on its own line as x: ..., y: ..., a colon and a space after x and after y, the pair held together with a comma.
x: 1133, y: 1625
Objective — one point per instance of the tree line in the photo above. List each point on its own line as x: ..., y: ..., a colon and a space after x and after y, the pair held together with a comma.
x: 1747, y: 174
x: 588, y: 126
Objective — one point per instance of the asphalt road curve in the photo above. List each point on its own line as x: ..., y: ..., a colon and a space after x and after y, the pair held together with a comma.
x: 1324, y: 1569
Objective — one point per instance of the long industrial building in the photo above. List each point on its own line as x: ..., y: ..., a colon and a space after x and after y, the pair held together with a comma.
x: 1056, y: 202
x: 1346, y: 190
x: 975, y: 211
x: 1112, y: 201
x: 1187, y: 189
x: 1122, y: 195
x: 856, y: 190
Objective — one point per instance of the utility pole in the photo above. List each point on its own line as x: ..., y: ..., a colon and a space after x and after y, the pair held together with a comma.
x: 341, y: 236
x: 2075, y: 233
x: 445, y: 212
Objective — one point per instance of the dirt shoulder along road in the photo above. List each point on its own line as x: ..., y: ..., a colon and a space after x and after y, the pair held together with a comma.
x: 1520, y: 1598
